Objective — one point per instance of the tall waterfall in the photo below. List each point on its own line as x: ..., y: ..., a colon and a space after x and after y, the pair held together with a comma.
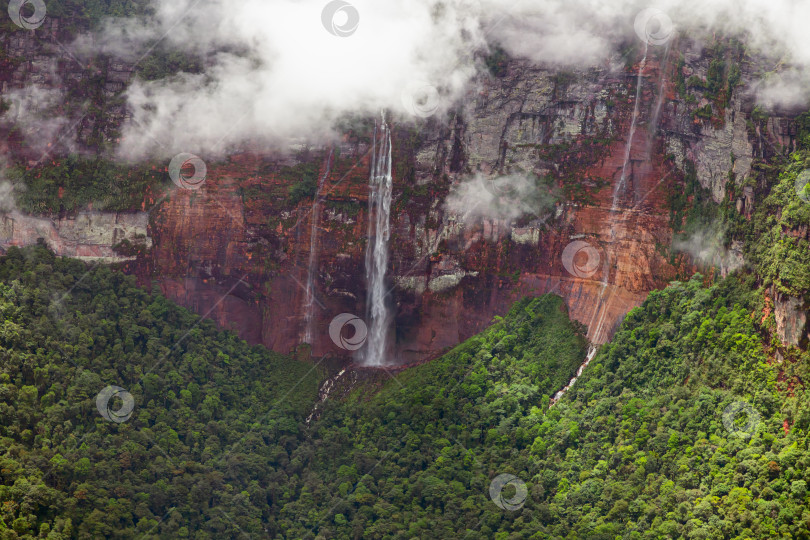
x: 379, y: 206
x: 309, y: 300
x: 617, y: 195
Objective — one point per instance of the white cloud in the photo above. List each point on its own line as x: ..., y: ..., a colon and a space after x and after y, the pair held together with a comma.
x: 35, y: 112
x: 503, y: 198
x: 789, y: 89
x: 285, y: 76
x: 7, y: 199
x: 707, y: 246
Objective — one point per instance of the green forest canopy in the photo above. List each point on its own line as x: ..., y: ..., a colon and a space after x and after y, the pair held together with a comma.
x: 217, y: 444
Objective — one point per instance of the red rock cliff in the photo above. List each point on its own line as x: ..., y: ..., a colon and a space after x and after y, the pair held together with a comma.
x: 238, y: 249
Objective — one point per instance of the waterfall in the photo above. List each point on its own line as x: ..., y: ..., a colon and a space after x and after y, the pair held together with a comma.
x: 617, y: 193
x: 660, y: 101
x: 379, y: 206
x: 323, y: 394
x: 309, y: 301
x: 588, y: 358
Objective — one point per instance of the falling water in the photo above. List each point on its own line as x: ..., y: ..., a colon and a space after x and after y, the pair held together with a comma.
x: 323, y: 394
x: 660, y: 101
x: 617, y: 192
x: 588, y: 358
x: 379, y: 204
x: 309, y: 301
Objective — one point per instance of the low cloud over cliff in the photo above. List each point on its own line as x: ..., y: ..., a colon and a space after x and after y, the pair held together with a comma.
x: 504, y: 198
x: 283, y: 69
x: 707, y: 245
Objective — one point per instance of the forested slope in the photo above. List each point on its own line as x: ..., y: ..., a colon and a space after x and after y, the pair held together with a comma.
x: 643, y: 446
x: 637, y: 449
x: 201, y: 452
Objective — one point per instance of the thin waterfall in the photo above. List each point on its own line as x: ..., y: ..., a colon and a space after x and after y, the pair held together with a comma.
x: 309, y: 301
x: 660, y: 100
x: 656, y: 114
x: 323, y: 394
x: 588, y: 358
x: 379, y: 232
x: 617, y: 195
x: 617, y: 192
x: 620, y: 186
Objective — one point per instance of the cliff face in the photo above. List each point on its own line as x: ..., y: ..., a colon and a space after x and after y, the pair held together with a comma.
x: 59, y: 102
x: 448, y: 277
x: 92, y: 236
x: 238, y: 250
